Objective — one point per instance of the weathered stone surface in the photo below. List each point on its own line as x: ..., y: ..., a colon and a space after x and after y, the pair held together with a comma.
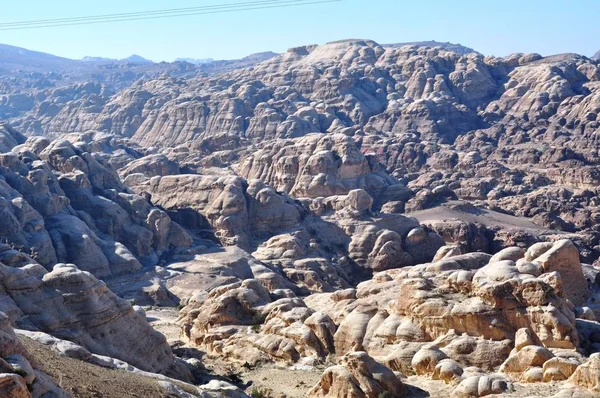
x: 448, y: 370
x: 563, y: 257
x: 587, y: 375
x: 292, y: 178
x: 62, y: 204
x: 358, y: 375
x: 21, y: 375
x: 479, y: 386
x: 74, y: 305
x: 529, y: 356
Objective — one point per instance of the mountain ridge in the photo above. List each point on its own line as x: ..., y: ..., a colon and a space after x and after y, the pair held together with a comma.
x: 19, y: 58
x: 455, y: 47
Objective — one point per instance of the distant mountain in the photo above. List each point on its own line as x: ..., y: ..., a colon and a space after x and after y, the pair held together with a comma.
x: 134, y: 59
x: 457, y: 48
x: 137, y: 59
x: 596, y: 56
x: 195, y: 61
x: 27, y: 70
x: 17, y: 58
x: 98, y: 59
x: 227, y: 64
x: 259, y: 57
x: 246, y: 62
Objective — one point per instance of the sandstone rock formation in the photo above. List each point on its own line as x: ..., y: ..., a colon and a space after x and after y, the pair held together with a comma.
x: 371, y: 209
x: 322, y: 120
x: 73, y: 305
x: 482, y: 280
x: 21, y: 375
x: 359, y: 375
x: 456, y: 320
x: 63, y: 204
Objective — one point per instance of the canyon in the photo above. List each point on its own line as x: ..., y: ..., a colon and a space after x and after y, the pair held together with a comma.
x: 360, y: 220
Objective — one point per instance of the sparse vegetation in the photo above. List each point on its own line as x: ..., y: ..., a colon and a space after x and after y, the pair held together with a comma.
x: 257, y: 318
x: 258, y: 392
x: 20, y: 372
x: 257, y: 321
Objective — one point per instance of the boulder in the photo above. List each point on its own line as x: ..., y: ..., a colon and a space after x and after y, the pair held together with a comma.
x: 358, y: 375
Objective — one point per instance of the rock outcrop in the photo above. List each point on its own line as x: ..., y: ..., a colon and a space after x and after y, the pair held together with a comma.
x: 359, y: 375
x: 456, y: 320
x: 376, y: 209
x: 61, y: 204
x: 21, y: 375
x: 73, y: 305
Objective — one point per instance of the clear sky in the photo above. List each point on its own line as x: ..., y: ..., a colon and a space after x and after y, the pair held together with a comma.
x: 490, y: 27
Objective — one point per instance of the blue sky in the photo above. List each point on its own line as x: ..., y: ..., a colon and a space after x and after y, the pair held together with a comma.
x: 491, y: 27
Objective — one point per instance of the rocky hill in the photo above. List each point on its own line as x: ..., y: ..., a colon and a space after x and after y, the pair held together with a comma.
x: 454, y: 47
x: 17, y: 58
x: 511, y: 132
x: 359, y: 220
x: 25, y: 74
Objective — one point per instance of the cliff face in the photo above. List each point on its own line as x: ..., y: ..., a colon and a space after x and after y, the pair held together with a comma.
x: 73, y: 305
x: 61, y: 204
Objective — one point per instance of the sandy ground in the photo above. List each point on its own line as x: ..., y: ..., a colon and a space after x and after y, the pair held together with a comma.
x: 466, y: 212
x: 84, y: 380
x: 293, y: 383
x: 163, y: 319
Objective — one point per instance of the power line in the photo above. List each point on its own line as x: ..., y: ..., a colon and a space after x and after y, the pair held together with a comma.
x: 156, y: 14
x: 141, y: 13
x: 252, y: 5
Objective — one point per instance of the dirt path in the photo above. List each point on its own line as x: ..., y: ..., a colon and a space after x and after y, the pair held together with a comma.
x: 163, y: 319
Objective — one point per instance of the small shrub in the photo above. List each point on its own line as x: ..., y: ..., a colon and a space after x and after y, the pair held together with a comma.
x: 256, y: 328
x: 257, y: 318
x: 331, y: 359
x: 182, y: 304
x: 385, y: 394
x: 258, y: 392
x: 20, y: 372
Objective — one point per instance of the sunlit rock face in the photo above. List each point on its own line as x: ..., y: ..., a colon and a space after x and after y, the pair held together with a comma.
x: 393, y: 213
